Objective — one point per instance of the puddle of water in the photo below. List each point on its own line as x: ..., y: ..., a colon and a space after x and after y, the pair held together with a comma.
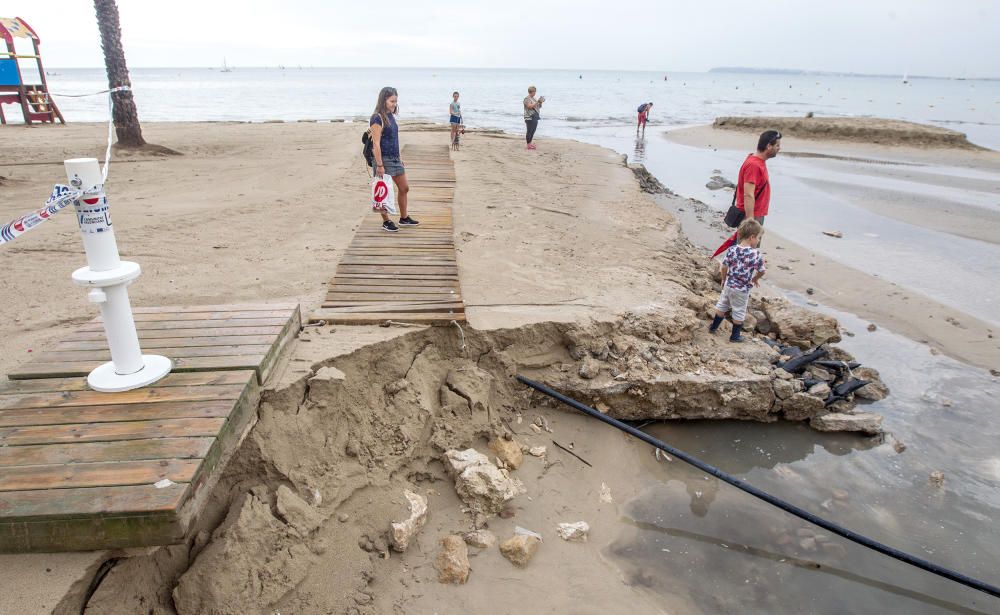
x: 726, y: 552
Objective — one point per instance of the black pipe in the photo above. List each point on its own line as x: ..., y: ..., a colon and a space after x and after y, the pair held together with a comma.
x: 767, y: 497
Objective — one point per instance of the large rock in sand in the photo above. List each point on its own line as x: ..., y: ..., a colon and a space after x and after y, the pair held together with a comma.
x: 802, y: 406
x: 798, y: 326
x: 875, y: 390
x: 520, y: 549
x: 452, y: 561
x: 508, y: 451
x: 483, y: 487
x: 404, y: 531
x: 866, y: 422
x: 294, y: 511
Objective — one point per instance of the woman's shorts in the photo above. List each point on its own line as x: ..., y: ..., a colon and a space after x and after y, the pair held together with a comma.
x: 455, y: 119
x: 393, y: 167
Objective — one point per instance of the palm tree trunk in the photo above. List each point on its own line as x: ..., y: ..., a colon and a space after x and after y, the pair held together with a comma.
x: 125, y: 115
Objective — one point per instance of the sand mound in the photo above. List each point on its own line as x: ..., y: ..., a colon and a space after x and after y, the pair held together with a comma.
x: 300, y: 520
x: 858, y: 129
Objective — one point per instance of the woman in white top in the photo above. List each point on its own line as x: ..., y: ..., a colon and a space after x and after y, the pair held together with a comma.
x: 532, y: 106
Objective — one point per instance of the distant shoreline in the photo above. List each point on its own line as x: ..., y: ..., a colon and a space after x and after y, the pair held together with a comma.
x: 856, y: 129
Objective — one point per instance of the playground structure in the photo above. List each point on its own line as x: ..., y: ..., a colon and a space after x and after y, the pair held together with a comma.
x: 31, y: 95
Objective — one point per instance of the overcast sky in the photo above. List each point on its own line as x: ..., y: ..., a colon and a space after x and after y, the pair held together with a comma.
x: 930, y: 37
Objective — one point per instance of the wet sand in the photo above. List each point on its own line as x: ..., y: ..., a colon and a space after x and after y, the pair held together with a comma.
x: 910, y: 259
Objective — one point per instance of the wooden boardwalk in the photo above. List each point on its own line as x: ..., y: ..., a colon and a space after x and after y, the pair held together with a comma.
x: 82, y: 470
x: 409, y: 276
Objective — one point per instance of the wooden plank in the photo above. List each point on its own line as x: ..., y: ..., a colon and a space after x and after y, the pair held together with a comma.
x: 378, y: 318
x: 173, y: 342
x: 121, y: 450
x: 288, y: 333
x: 112, y: 413
x: 205, y: 315
x: 393, y: 296
x: 145, y: 395
x: 228, y: 307
x: 108, y: 432
x: 69, y: 356
x: 66, y: 369
x: 80, y: 384
x: 206, y: 332
x: 371, y: 288
x: 179, y: 325
x: 62, y: 476
x: 397, y: 269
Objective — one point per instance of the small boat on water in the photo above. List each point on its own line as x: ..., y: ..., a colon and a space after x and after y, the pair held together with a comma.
x: 225, y: 67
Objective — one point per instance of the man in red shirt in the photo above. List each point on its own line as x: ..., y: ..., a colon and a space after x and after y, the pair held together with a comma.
x: 753, y: 190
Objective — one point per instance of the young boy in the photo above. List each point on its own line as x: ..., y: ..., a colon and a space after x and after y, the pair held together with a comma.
x: 741, y: 268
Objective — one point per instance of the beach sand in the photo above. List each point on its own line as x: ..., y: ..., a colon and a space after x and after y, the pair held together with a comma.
x: 864, y: 174
x: 262, y: 212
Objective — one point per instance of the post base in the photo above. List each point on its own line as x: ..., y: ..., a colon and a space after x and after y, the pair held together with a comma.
x: 105, y: 379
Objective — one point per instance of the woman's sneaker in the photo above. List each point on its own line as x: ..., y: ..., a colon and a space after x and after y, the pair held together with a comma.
x: 408, y: 221
x: 390, y: 227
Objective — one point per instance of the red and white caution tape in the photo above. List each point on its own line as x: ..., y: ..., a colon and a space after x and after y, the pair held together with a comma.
x: 61, y: 197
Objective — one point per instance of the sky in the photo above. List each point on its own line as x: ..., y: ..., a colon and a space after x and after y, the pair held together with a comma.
x: 957, y: 38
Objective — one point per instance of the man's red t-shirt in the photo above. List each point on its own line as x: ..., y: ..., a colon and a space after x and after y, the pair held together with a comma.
x: 754, y: 171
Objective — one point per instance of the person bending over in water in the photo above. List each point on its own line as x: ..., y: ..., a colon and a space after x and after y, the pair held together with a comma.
x: 644, y: 110
x: 741, y: 268
x: 387, y: 160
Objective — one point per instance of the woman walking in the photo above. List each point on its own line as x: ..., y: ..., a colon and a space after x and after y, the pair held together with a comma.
x: 455, y: 116
x: 387, y: 160
x: 532, y: 106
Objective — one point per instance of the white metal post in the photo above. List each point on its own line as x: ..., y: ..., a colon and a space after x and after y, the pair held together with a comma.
x: 108, y: 278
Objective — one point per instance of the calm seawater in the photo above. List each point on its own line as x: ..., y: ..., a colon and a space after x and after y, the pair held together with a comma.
x: 491, y: 98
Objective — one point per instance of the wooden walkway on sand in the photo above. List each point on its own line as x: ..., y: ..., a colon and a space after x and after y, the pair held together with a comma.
x: 82, y: 470
x: 409, y: 276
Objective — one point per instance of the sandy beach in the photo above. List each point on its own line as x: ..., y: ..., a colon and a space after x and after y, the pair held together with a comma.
x: 554, y: 246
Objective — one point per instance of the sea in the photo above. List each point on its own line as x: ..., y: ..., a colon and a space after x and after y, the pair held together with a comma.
x: 686, y: 534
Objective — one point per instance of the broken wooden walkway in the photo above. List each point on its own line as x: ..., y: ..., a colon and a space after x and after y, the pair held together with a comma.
x: 83, y: 470
x: 410, y: 276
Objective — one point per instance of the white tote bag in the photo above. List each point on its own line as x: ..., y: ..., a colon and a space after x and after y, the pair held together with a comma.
x: 384, y: 195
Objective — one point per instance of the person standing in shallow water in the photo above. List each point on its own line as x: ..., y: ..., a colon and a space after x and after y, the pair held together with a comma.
x: 532, y: 113
x: 644, y: 111
x: 454, y: 116
x: 387, y: 158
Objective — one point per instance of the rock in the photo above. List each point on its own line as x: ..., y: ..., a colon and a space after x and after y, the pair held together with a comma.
x: 452, y: 562
x: 520, y: 549
x: 875, y: 390
x: 395, y: 387
x: 810, y: 291
x: 537, y: 451
x: 802, y: 406
x: 821, y: 390
x: 782, y: 374
x: 483, y: 487
x: 605, y: 496
x: 808, y: 544
x: 866, y: 422
x: 836, y: 234
x: 590, y: 368
x: 823, y: 374
x: 937, y: 478
x: 296, y: 512
x: 403, y: 532
x: 343, y: 517
x: 508, y: 451
x: 872, y: 327
x: 647, y: 181
x: 797, y: 326
x: 573, y: 532
x: 783, y: 389
x: 718, y: 182
x: 482, y: 539
x: 457, y: 461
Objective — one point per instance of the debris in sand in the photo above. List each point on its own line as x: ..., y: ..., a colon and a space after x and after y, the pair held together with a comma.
x: 537, y: 451
x: 574, y: 532
x: 836, y: 234
x: 875, y: 390
x: 483, y: 487
x: 866, y: 422
x: 508, y: 451
x: 452, y: 561
x: 520, y: 548
x: 542, y: 423
x: 163, y: 484
x: 404, y: 531
x: 872, y: 327
x: 937, y: 478
x: 606, y: 494
x: 590, y: 368
x: 481, y: 539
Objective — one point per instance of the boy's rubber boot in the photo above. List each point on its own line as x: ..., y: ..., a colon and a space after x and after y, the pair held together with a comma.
x: 715, y: 324
x: 735, y: 337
